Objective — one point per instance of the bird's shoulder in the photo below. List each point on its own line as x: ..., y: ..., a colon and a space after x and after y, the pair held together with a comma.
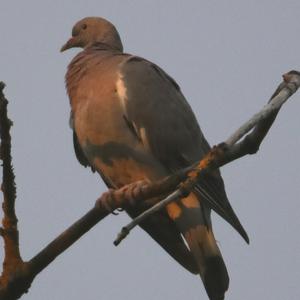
x: 133, y: 65
x: 160, y: 113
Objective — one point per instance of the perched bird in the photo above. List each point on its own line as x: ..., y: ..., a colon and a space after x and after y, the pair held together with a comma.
x: 131, y: 122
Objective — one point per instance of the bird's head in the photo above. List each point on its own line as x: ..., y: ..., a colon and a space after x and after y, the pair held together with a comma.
x: 91, y: 31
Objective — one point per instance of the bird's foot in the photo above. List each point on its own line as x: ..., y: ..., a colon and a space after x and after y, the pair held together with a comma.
x: 107, y: 200
x: 114, y: 200
x: 135, y: 191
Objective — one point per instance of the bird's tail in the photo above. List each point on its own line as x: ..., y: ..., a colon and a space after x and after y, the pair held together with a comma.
x: 212, y: 268
x: 195, y: 226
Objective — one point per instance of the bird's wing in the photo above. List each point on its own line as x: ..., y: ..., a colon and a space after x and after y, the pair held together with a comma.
x: 167, y: 126
x: 158, y: 226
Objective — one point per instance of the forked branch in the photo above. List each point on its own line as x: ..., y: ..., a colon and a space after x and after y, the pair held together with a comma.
x: 17, y: 275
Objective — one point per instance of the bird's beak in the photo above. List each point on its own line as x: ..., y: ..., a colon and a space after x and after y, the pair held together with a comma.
x: 72, y: 42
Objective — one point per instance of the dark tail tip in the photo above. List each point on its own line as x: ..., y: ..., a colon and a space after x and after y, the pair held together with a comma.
x: 244, y: 234
x: 216, y: 279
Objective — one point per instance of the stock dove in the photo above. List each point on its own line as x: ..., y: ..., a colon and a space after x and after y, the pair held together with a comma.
x: 131, y: 122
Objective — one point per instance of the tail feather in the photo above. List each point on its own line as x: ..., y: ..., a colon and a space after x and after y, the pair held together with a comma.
x: 211, y: 266
x: 194, y: 223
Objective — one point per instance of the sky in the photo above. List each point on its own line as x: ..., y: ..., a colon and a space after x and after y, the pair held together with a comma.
x: 228, y: 58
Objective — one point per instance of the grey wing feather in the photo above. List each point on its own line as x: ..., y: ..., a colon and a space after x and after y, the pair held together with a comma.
x: 156, y: 104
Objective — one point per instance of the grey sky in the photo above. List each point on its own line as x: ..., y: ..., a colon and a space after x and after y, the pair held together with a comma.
x: 228, y: 57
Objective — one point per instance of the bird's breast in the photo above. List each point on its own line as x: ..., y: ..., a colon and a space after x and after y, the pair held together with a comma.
x: 104, y: 135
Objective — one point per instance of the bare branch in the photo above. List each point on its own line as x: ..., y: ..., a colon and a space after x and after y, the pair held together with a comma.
x: 17, y: 275
x: 8, y: 187
x: 288, y: 87
x: 12, y: 263
x: 106, y: 204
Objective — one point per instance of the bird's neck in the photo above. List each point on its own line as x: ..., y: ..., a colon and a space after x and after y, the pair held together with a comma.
x: 105, y: 46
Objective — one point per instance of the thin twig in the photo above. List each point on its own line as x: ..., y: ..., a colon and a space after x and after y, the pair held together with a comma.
x: 126, y: 229
x: 273, y: 106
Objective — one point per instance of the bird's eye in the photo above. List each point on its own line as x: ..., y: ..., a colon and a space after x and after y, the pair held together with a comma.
x: 84, y: 26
